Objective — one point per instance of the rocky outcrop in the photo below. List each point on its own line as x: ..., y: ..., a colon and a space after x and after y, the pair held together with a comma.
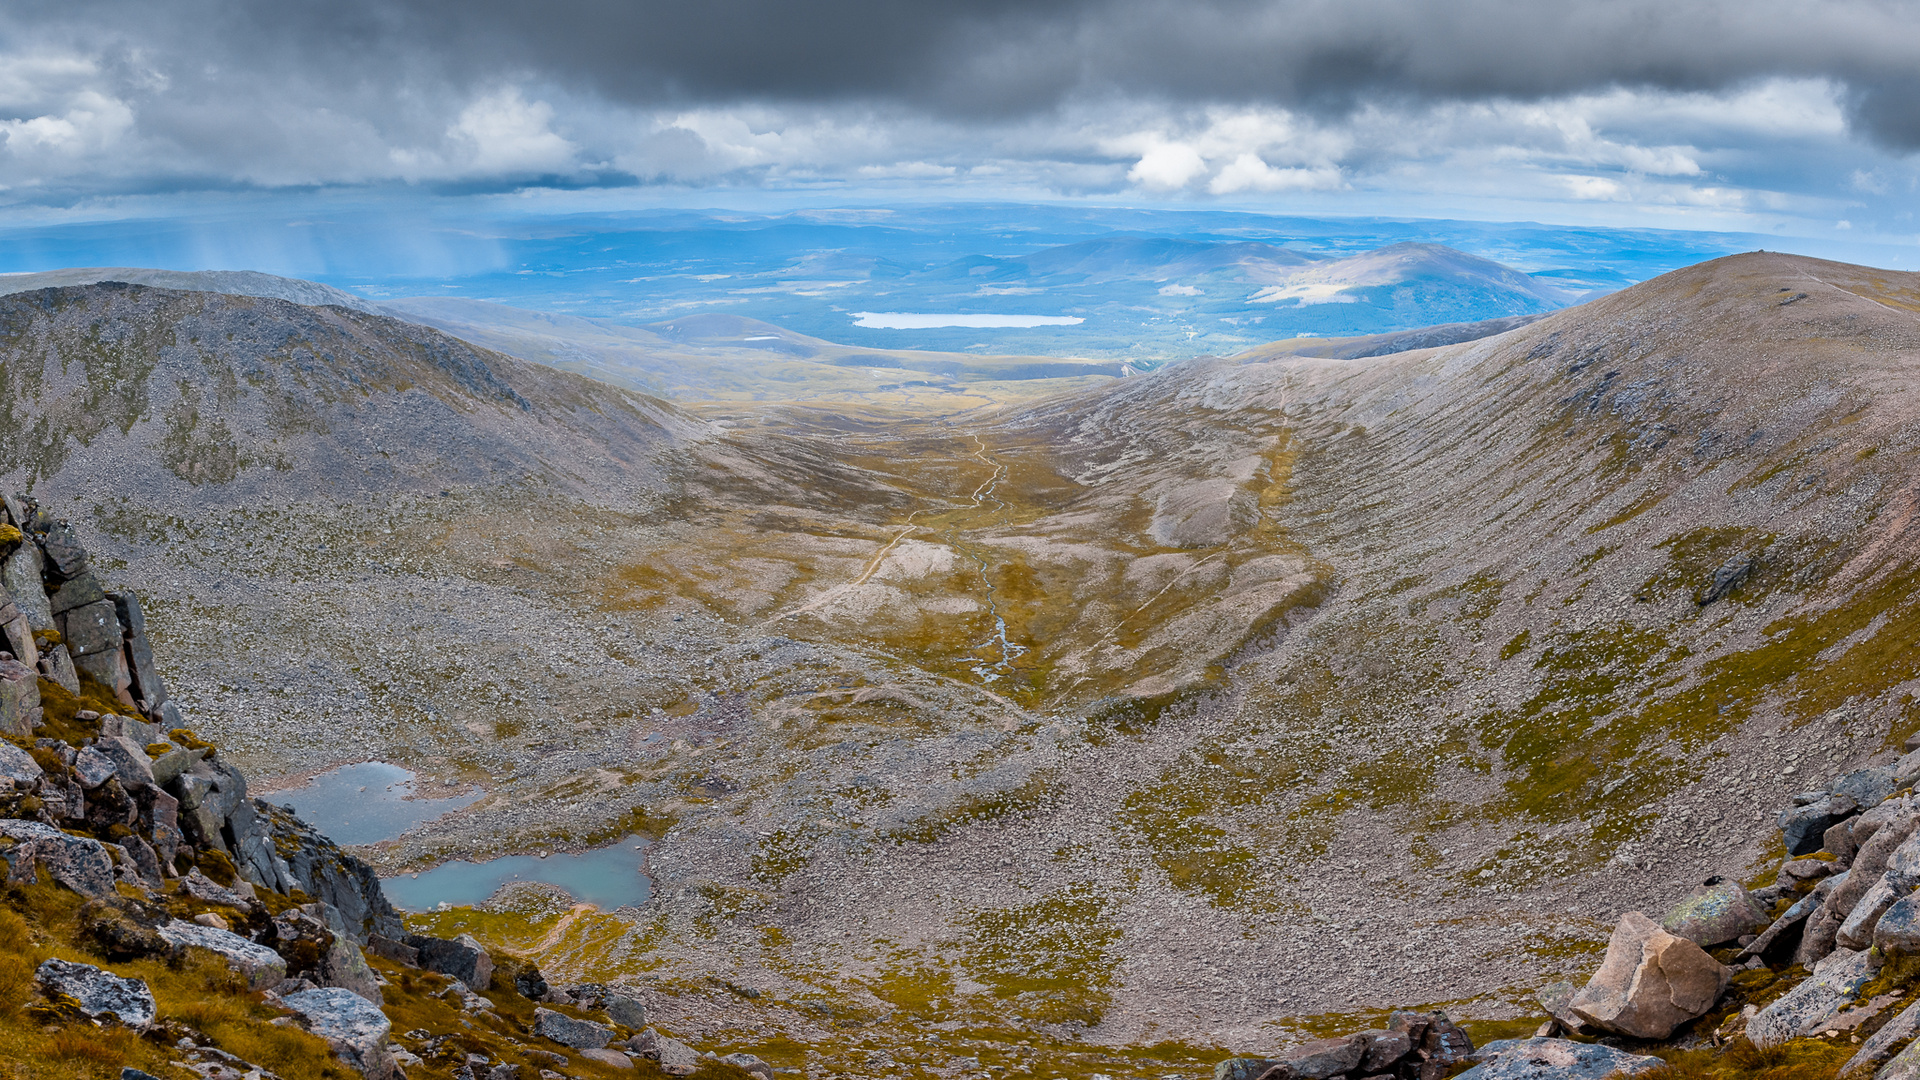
x: 318, y: 867
x: 1413, y: 1045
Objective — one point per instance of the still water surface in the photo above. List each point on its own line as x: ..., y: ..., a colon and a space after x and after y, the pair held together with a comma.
x: 366, y: 803
x: 606, y: 877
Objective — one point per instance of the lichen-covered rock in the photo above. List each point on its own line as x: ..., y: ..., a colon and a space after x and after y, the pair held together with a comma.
x: 570, y: 1031
x: 626, y: 1010
x: 1718, y: 912
x: 1835, y: 982
x: 352, y: 1025
x: 1650, y: 982
x: 21, y: 575
x: 75, y: 862
x: 1898, y: 931
x: 92, y: 628
x: 262, y: 966
x: 147, y: 684
x: 1554, y: 1059
x: 98, y: 993
x: 1868, y: 786
x: 613, y: 1059
x: 18, y: 770
x: 168, y: 766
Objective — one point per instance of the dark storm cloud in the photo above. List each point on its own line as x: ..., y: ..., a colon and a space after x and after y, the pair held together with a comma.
x: 995, y: 58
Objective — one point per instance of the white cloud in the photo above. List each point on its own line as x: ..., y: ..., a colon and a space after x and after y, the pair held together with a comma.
x: 508, y: 134
x: 1167, y: 166
x: 1593, y: 187
x: 1248, y: 173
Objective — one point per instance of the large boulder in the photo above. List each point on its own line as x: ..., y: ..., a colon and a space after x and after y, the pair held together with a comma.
x: 92, y: 768
x: 98, y: 993
x: 1835, y: 982
x: 168, y: 766
x: 625, y: 1010
x: 749, y: 1063
x: 463, y: 958
x: 262, y: 966
x: 75, y: 862
x: 61, y: 545
x: 1554, y: 1059
x: 1384, y: 1050
x: 355, y: 1028
x: 674, y: 1057
x: 570, y: 1031
x: 147, y: 685
x: 1650, y: 983
x: 120, y: 929
x: 612, y: 1059
x: 1716, y: 913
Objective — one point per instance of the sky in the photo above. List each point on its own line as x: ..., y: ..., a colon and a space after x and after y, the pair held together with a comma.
x: 1782, y: 116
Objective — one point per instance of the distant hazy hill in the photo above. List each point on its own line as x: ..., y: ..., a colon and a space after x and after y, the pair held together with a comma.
x: 236, y: 282
x: 719, y: 357
x: 1418, y: 279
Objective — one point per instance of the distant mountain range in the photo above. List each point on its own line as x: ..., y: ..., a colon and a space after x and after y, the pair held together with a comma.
x: 716, y: 357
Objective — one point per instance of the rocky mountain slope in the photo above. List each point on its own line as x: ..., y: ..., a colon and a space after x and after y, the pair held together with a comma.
x: 1213, y: 709
x: 230, y: 282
